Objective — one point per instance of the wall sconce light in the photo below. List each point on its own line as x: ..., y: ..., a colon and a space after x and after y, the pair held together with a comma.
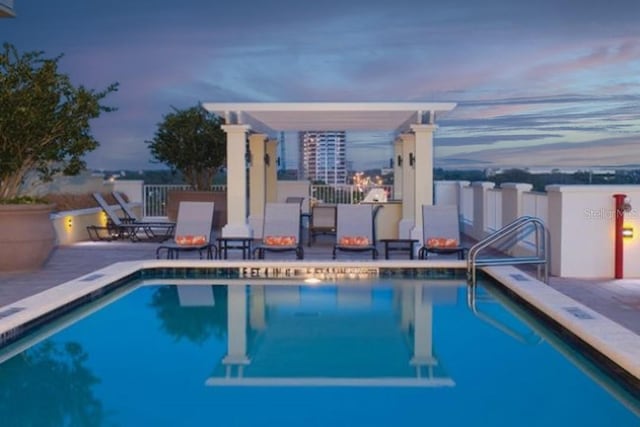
x: 248, y: 157
x: 399, y: 162
x: 627, y: 232
x: 267, y: 159
x: 69, y: 222
x: 412, y: 159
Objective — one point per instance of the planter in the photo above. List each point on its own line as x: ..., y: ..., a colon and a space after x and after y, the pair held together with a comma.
x: 27, y: 236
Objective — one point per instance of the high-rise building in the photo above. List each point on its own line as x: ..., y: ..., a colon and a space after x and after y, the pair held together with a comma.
x: 323, y: 156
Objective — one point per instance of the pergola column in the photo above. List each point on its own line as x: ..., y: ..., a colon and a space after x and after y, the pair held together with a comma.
x: 408, y: 142
x: 272, y: 171
x: 423, y: 330
x: 236, y: 330
x: 236, y: 182
x: 423, y: 176
x: 398, y: 164
x: 257, y: 182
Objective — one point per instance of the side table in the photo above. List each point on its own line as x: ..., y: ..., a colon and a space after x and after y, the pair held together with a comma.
x: 398, y: 245
x: 240, y: 243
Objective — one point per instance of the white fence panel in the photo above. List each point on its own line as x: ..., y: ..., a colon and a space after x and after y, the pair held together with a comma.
x: 494, y: 210
x: 536, y: 205
x: 466, y: 205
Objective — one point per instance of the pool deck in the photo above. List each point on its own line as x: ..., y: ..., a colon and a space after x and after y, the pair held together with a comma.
x: 618, y: 300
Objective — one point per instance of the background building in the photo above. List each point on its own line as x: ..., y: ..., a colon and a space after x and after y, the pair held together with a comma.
x: 323, y: 156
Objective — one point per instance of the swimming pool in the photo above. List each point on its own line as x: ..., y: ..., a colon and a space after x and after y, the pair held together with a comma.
x: 249, y: 347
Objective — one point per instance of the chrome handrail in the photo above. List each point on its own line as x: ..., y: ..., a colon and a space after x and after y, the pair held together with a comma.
x: 541, y: 257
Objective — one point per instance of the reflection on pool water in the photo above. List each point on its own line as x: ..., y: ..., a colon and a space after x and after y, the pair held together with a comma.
x: 389, y: 352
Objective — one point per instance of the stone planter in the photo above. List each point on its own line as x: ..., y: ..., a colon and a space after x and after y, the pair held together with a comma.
x: 27, y: 236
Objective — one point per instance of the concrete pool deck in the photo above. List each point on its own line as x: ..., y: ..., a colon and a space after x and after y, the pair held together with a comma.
x: 618, y: 300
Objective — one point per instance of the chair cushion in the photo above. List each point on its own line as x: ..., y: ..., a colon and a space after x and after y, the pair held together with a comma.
x: 279, y: 240
x: 354, y: 241
x: 190, y: 240
x: 441, y: 242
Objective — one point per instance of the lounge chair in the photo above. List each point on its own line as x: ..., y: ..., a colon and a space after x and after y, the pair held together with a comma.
x: 299, y: 201
x: 322, y: 221
x: 130, y: 215
x: 119, y: 228
x: 281, y: 231
x: 355, y: 230
x: 193, y: 231
x: 440, y: 231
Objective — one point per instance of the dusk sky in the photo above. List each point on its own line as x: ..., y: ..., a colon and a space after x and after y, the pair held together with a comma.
x: 551, y: 83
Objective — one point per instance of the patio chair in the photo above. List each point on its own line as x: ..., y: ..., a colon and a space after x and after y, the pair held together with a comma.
x: 299, y: 201
x: 193, y: 231
x: 281, y: 231
x: 130, y: 215
x: 355, y: 230
x: 119, y: 228
x: 440, y: 231
x: 322, y: 221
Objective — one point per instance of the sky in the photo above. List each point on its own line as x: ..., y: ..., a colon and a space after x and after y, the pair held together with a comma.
x: 545, y: 83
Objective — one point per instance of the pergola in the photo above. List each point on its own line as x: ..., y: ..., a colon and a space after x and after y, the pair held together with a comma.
x: 412, y: 122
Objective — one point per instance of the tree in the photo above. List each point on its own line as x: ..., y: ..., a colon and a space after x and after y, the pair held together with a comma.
x: 44, y: 119
x: 192, y: 142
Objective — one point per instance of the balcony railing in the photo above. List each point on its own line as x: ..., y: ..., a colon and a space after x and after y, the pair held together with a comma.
x: 155, y: 196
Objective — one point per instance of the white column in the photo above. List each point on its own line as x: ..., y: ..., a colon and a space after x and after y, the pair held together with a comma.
x: 423, y: 330
x: 272, y: 171
x: 423, y: 177
x: 236, y: 182
x: 257, y: 308
x: 257, y: 183
x: 398, y: 164
x: 407, y: 306
x: 407, y: 222
x: 236, y: 326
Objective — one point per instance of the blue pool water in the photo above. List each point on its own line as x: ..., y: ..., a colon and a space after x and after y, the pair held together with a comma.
x: 385, y: 353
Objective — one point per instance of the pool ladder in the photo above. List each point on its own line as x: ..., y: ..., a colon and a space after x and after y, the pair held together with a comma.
x: 511, y: 234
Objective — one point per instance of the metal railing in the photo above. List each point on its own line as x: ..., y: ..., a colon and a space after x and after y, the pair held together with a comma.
x: 343, y: 193
x: 155, y: 196
x: 512, y: 234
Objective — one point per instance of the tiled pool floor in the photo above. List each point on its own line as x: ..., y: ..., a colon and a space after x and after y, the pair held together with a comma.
x: 619, y: 300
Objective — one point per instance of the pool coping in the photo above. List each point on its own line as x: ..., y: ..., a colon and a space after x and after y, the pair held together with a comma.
x: 616, y: 342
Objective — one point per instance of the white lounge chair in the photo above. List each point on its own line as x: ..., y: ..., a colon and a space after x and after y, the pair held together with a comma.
x: 130, y: 215
x: 355, y: 230
x: 281, y: 231
x: 120, y: 228
x: 193, y: 231
x: 440, y: 231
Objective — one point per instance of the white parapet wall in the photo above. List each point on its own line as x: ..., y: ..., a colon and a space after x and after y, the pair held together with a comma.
x: 581, y: 221
x: 71, y: 226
